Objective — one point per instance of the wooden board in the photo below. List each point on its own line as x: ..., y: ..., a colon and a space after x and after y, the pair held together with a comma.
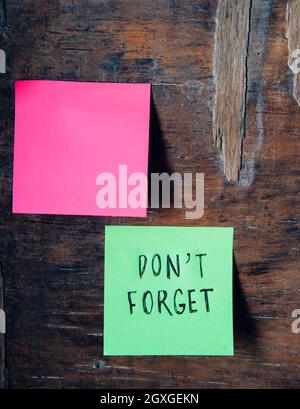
x: 53, y: 265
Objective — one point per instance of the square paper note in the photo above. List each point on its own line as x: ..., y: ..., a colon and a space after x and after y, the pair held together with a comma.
x: 168, y: 291
x: 72, y: 142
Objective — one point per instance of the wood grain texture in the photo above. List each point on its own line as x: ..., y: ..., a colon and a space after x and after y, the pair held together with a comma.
x: 230, y: 69
x: 293, y: 36
x: 53, y: 265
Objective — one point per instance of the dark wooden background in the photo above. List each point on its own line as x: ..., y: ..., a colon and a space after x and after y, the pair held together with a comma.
x: 53, y: 265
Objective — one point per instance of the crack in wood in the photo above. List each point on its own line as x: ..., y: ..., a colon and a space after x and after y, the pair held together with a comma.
x: 230, y: 72
x: 293, y: 36
x: 257, y: 51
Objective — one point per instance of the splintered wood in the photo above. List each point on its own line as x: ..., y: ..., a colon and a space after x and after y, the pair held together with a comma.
x: 293, y: 36
x: 2, y: 339
x: 230, y: 69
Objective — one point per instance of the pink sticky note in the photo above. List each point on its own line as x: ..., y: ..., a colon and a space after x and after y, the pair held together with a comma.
x: 67, y: 134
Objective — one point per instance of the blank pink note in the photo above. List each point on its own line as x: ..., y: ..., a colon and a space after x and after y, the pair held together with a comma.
x: 67, y: 133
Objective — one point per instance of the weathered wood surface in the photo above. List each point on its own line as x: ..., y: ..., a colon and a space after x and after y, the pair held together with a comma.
x: 53, y: 265
x: 230, y: 72
x: 293, y: 36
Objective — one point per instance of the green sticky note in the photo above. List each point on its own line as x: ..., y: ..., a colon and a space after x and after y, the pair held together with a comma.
x: 168, y: 291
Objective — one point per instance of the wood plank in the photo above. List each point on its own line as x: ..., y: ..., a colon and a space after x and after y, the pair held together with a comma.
x: 230, y: 69
x: 293, y: 36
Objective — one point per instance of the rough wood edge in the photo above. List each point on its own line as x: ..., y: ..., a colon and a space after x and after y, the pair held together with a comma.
x: 293, y: 36
x: 230, y: 73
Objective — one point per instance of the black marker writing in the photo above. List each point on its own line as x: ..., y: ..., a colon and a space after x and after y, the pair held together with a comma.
x: 131, y: 304
x: 206, y: 290
x: 200, y: 263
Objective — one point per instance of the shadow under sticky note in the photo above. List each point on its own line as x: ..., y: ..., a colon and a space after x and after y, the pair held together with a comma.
x: 66, y: 134
x: 168, y: 291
